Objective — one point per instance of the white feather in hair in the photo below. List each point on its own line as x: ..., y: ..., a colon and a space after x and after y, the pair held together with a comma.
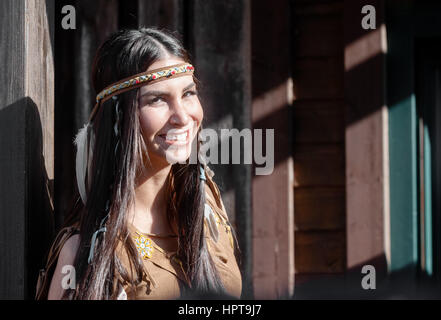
x: 81, y: 163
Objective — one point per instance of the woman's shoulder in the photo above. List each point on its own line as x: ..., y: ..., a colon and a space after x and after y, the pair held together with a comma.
x: 63, y: 253
x: 67, y: 236
x: 65, y: 245
x: 69, y: 249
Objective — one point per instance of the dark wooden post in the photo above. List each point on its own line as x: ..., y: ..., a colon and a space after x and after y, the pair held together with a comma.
x: 167, y: 14
x: 26, y: 143
x: 74, y: 93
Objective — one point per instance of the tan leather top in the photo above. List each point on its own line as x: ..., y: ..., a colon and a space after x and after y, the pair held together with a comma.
x: 165, y: 278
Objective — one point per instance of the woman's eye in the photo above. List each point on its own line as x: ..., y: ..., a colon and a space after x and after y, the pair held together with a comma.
x: 155, y: 100
x: 158, y: 100
x: 189, y: 93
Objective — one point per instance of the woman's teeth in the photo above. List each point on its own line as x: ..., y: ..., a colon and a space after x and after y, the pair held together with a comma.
x: 177, y: 137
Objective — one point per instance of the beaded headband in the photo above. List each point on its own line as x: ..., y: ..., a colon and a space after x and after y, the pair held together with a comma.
x: 141, y: 79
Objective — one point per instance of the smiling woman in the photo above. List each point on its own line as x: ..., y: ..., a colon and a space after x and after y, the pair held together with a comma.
x: 170, y: 115
x: 149, y: 224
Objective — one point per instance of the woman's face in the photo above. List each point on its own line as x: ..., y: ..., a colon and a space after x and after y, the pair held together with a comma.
x: 170, y: 115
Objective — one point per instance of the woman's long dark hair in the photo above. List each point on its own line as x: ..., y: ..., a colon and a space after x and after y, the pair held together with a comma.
x: 113, y: 177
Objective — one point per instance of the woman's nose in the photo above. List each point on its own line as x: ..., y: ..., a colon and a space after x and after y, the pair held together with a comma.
x: 179, y: 115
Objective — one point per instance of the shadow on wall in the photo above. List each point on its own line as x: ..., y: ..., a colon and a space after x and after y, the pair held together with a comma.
x: 24, y: 168
x: 40, y: 197
x: 399, y: 284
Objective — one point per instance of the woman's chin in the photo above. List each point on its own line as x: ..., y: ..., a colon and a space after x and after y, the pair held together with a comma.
x: 177, y: 154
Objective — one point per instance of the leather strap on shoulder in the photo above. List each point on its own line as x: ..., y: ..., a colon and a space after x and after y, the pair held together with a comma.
x: 45, y: 275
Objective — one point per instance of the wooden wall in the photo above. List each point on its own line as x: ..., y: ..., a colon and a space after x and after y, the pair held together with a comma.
x: 273, y: 212
x: 340, y: 145
x: 319, y: 141
x: 367, y: 141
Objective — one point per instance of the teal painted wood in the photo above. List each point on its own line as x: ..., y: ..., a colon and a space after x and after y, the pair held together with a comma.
x: 427, y: 31
x: 407, y: 21
x: 428, y: 202
x: 415, y: 189
x: 427, y: 24
x: 427, y: 56
x: 402, y: 138
x: 403, y: 184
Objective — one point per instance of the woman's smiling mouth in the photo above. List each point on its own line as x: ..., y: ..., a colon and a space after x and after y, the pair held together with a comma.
x: 176, y: 137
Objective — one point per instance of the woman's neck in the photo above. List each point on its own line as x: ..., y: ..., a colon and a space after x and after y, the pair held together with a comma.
x: 149, y: 211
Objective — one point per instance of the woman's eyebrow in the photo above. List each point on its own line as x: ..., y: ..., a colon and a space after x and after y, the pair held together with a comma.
x: 164, y: 93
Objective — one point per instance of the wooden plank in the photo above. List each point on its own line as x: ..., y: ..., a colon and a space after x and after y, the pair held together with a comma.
x: 309, y: 28
x: 427, y: 86
x: 318, y: 121
x: 12, y: 154
x: 313, y: 7
x: 40, y: 73
x: 318, y: 78
x: 39, y: 79
x: 366, y: 138
x: 318, y: 137
x: 169, y: 14
x: 319, y: 208
x: 273, y: 213
x: 319, y: 165
x: 264, y: 276
x: 12, y: 53
x: 320, y: 252
x: 403, y: 39
x: 64, y: 169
